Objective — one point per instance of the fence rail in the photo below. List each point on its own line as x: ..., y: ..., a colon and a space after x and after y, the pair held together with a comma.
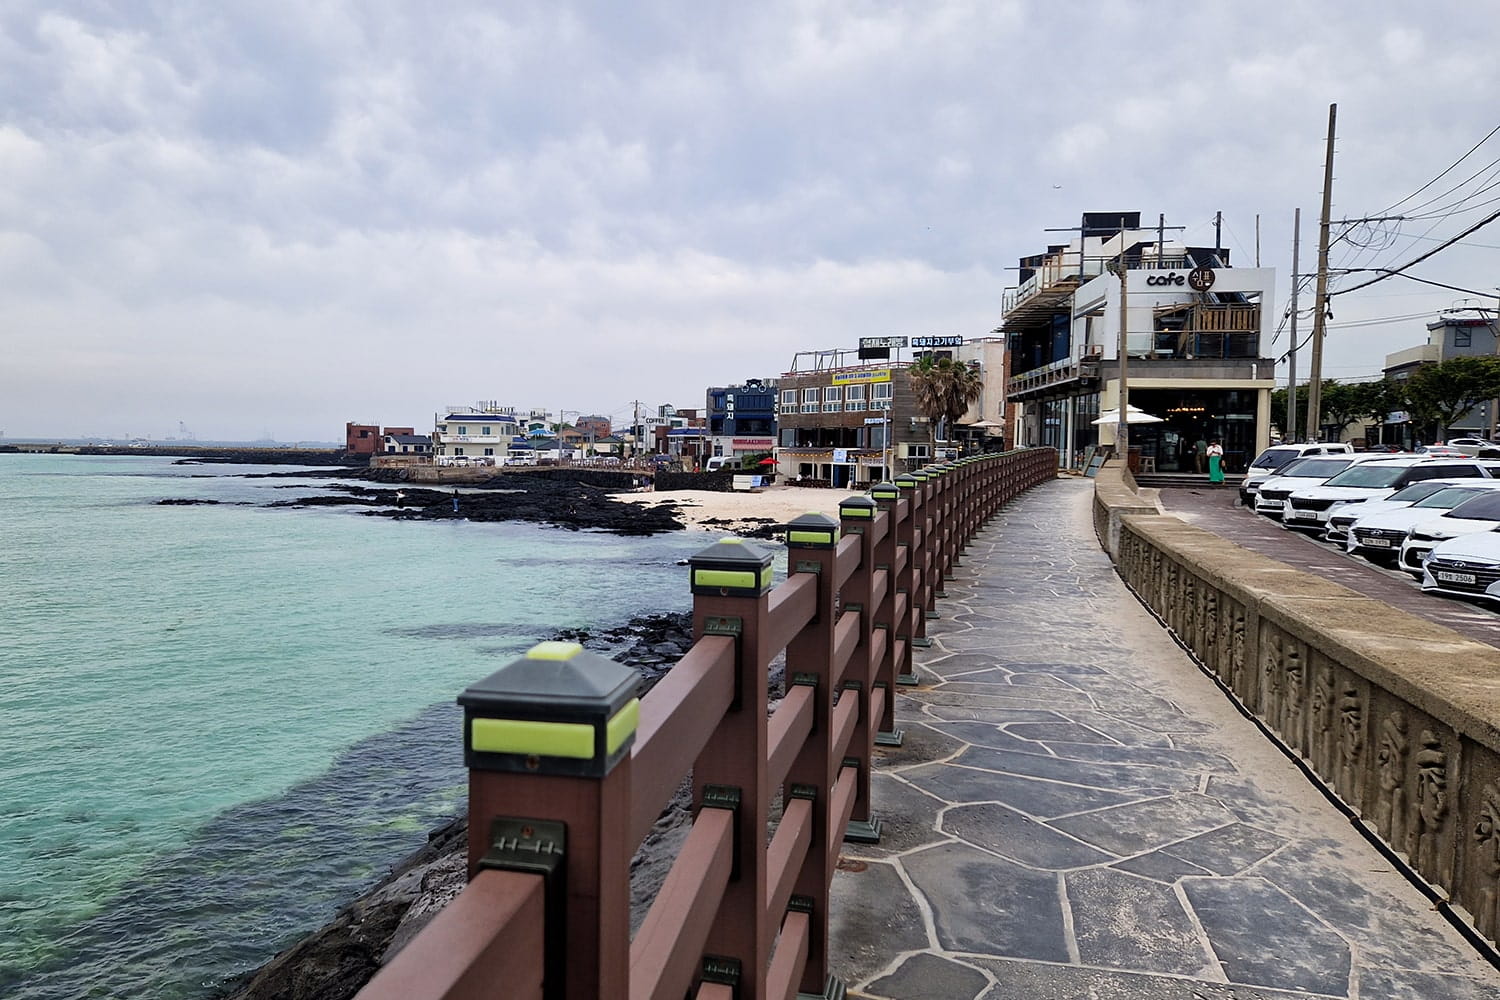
x: 568, y: 771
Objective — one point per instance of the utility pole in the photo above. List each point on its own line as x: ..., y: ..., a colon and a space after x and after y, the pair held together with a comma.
x: 1122, y: 426
x: 1320, y: 309
x: 1291, y: 368
x: 1218, y: 235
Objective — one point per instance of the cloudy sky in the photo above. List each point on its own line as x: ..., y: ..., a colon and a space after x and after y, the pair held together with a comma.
x: 269, y: 218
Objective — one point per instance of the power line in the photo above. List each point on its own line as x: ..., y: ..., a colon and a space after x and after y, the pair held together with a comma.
x: 1440, y: 176
x: 1392, y: 272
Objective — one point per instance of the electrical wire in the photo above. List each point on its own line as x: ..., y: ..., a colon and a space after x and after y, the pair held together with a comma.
x: 1392, y: 272
x: 1391, y: 207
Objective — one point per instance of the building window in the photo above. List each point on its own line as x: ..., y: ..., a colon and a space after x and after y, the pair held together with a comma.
x: 854, y: 397
x: 809, y: 400
x: 457, y: 452
x: 485, y: 429
x: 1463, y: 337
x: 789, y: 400
x: 880, y: 396
x: 916, y: 451
x: 462, y: 429
x: 832, y: 399
x: 489, y: 451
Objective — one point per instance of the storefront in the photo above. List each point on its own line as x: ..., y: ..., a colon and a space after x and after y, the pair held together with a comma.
x: 1191, y: 420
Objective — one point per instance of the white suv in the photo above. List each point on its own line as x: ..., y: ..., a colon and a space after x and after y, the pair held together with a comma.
x: 1478, y: 513
x: 1271, y: 493
x: 1372, y: 480
x: 1276, y: 457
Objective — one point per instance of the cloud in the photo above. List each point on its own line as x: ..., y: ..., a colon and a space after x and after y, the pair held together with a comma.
x: 283, y: 216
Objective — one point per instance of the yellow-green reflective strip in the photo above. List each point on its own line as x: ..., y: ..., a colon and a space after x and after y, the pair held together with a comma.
x: 554, y: 650
x: 619, y: 728
x: 857, y: 511
x: 811, y: 536
x: 765, y: 577
x: 723, y: 578
x: 545, y: 739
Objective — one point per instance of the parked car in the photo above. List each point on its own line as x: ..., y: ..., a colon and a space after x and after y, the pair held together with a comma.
x: 1470, y: 445
x: 1480, y: 513
x: 1272, y: 493
x: 1376, y: 479
x: 1341, y: 520
x: 1378, y: 536
x: 1440, y: 451
x: 1277, y: 457
x: 1466, y: 566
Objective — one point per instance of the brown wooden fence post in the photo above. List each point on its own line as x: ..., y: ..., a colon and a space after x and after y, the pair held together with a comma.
x: 547, y: 741
x: 811, y: 542
x: 731, y: 581
x: 921, y: 564
x: 892, y: 661
x: 907, y: 610
x: 859, y: 518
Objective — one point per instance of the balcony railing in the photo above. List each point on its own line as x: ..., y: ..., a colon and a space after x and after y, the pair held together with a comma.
x: 568, y: 772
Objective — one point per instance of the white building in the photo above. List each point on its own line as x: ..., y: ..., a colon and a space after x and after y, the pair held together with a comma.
x: 481, y: 431
x: 1196, y: 332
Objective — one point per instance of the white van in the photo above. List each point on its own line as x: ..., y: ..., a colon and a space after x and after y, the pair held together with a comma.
x: 721, y: 463
x: 1273, y: 458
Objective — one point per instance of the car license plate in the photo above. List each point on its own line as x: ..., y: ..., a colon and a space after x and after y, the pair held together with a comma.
x: 1271, y: 503
x: 1377, y: 543
x: 1447, y: 577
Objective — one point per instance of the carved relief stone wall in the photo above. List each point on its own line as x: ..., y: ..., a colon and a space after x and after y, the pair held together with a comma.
x: 1428, y: 784
x: 1351, y: 746
x: 1390, y: 766
x: 1483, y: 883
x: 1427, y: 837
x: 1322, y: 728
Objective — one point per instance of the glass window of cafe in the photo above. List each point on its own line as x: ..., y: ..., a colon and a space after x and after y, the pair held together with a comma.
x: 1190, y: 422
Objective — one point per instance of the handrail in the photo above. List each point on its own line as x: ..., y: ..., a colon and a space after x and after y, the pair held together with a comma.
x: 488, y: 935
x: 666, y: 952
x: 668, y: 738
x: 744, y: 908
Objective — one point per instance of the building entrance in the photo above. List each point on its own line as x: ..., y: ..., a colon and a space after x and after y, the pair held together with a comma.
x: 1190, y: 422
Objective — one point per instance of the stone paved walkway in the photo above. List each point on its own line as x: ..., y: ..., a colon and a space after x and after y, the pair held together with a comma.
x: 1077, y: 812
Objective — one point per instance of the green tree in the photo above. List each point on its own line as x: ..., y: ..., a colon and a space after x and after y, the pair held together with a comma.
x: 945, y: 389
x: 1437, y: 395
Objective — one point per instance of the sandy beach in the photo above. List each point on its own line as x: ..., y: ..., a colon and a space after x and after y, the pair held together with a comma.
x: 709, y: 511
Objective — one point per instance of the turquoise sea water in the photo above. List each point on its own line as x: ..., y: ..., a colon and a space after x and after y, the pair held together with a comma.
x: 218, y: 723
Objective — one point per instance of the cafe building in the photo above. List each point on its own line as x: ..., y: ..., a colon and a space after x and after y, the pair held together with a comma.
x: 1195, y: 336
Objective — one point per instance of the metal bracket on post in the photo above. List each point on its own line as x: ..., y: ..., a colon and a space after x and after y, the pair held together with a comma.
x: 734, y: 628
x: 723, y: 971
x: 726, y: 797
x: 537, y: 847
x: 808, y: 566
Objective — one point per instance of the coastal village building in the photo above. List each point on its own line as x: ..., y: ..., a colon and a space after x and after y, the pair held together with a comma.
x: 1455, y: 334
x: 1196, y: 333
x: 742, y: 418
x: 481, y: 431
x: 369, y: 439
x: 847, y: 420
x: 406, y: 444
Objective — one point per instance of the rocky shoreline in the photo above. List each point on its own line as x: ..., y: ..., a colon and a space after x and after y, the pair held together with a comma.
x: 335, y: 961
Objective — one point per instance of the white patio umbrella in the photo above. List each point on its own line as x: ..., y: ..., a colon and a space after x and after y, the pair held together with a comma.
x: 1133, y: 415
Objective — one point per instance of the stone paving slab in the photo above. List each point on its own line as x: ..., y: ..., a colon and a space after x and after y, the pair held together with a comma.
x: 1078, y: 812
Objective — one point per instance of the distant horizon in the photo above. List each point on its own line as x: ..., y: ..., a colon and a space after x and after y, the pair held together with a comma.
x: 125, y: 442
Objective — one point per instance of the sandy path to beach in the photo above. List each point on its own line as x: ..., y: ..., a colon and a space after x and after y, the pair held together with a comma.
x: 778, y: 503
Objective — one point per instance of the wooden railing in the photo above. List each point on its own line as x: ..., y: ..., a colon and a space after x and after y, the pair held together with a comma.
x: 568, y: 772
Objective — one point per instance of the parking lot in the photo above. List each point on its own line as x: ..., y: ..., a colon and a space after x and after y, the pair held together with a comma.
x: 1217, y: 510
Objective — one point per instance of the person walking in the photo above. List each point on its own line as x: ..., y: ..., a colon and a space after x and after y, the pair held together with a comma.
x: 1200, y: 453
x: 1216, y: 463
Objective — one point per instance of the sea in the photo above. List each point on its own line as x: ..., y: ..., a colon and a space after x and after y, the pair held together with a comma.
x: 219, y: 723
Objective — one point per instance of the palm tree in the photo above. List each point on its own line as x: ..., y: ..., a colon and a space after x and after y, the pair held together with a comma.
x: 945, y: 389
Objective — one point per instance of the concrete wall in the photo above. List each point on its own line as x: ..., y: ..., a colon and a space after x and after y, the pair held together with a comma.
x: 1399, y: 716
